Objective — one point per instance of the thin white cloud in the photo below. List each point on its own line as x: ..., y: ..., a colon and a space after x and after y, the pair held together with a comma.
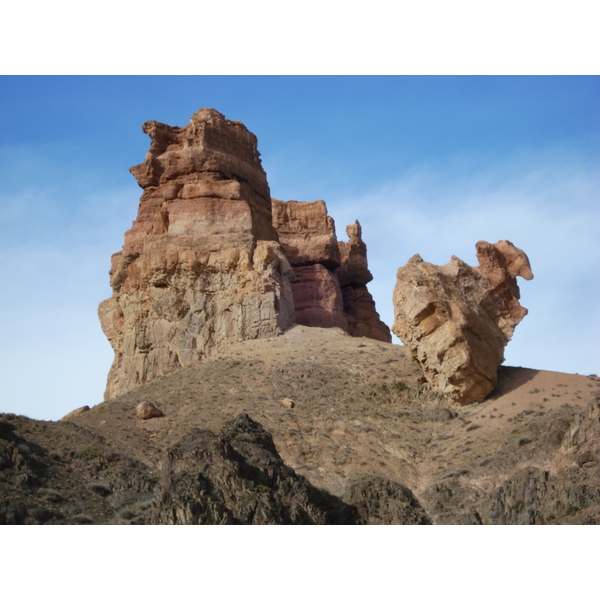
x: 545, y: 204
x: 55, y: 248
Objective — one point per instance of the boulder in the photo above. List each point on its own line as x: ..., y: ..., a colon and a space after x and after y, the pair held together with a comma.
x: 456, y: 320
x: 75, y: 413
x: 201, y: 266
x: 146, y: 410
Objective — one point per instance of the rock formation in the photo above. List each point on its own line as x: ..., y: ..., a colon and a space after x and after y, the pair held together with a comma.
x: 456, y: 319
x: 201, y: 265
x: 307, y: 234
x: 330, y: 277
x: 237, y: 477
x: 146, y: 410
x: 353, y: 276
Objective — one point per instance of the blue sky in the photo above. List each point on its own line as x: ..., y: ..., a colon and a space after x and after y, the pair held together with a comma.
x: 428, y: 165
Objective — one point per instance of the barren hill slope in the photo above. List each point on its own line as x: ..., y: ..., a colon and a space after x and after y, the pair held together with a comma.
x: 528, y: 454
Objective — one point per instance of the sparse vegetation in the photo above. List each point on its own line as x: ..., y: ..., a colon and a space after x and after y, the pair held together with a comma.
x: 386, y: 421
x: 400, y: 386
x: 89, y: 453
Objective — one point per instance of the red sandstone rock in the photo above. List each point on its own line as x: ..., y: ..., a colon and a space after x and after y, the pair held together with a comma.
x: 353, y: 274
x: 330, y: 277
x: 201, y: 266
x: 354, y: 270
x: 456, y: 319
x: 362, y: 317
x: 306, y: 233
x: 317, y: 297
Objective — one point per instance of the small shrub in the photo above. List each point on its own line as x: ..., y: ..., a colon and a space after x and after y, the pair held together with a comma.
x: 88, y: 453
x: 263, y: 489
x: 100, y: 489
x: 400, y: 386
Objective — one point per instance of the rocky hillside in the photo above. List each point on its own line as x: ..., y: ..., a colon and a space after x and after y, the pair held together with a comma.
x: 313, y: 426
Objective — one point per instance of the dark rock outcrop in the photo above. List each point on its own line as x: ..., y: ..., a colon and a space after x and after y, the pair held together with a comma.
x: 380, y: 501
x: 59, y: 473
x: 237, y: 477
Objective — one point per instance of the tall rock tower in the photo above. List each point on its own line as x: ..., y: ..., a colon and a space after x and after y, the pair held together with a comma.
x: 201, y: 265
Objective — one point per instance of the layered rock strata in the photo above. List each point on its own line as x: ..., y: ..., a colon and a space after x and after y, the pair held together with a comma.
x: 201, y: 265
x: 330, y: 277
x: 456, y: 319
x: 353, y: 276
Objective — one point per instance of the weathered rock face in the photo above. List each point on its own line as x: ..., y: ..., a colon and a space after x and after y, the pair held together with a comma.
x: 201, y: 265
x: 307, y: 233
x: 353, y: 276
x: 330, y: 277
x: 456, y: 319
x: 380, y: 501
